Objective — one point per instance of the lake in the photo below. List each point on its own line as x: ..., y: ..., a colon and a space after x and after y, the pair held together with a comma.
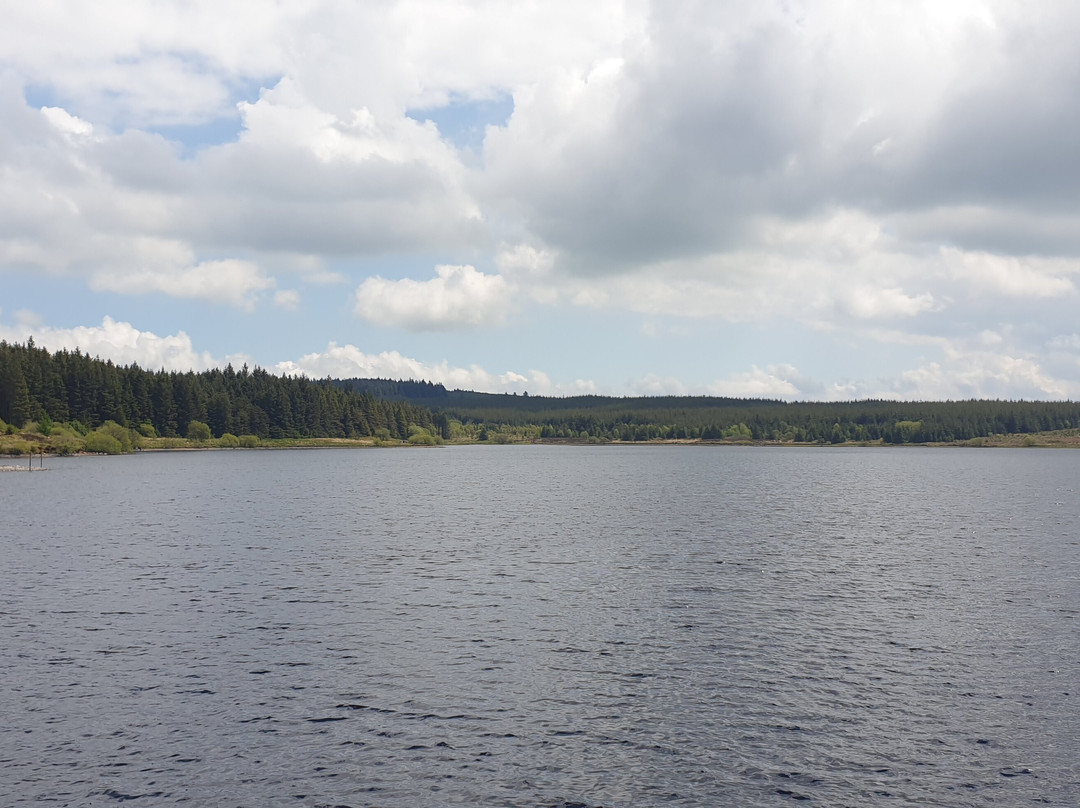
x: 543, y: 626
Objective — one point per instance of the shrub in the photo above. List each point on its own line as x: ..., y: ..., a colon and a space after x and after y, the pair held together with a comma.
x: 248, y: 441
x: 104, y: 443
x: 127, y: 438
x: 16, y: 446
x: 146, y: 429
x: 229, y: 441
x: 198, y: 431
x: 65, y: 443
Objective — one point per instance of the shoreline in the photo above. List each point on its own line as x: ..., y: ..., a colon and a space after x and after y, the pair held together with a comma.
x: 1015, y: 441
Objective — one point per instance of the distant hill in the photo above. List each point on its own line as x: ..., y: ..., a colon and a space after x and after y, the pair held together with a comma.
x: 524, y: 417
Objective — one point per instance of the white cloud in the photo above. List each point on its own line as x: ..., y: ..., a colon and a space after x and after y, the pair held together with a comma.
x: 756, y: 383
x: 1012, y: 276
x: 983, y: 366
x: 842, y: 166
x: 982, y: 375
x: 653, y: 384
x: 348, y: 361
x: 459, y: 297
x: 67, y: 123
x: 119, y: 341
x: 236, y: 283
x: 287, y: 299
x: 886, y: 303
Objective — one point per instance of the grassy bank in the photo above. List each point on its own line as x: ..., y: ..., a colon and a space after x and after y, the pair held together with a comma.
x: 111, y: 438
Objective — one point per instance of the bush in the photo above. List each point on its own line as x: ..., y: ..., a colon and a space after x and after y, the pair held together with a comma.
x: 64, y: 443
x: 198, y: 431
x: 17, y: 446
x: 418, y: 436
x: 127, y: 438
x: 422, y: 438
x: 229, y: 441
x: 104, y: 443
x: 249, y: 441
x: 146, y: 429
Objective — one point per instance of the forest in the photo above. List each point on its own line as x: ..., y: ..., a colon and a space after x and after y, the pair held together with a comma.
x: 70, y: 387
x: 69, y: 393
x: 507, y: 417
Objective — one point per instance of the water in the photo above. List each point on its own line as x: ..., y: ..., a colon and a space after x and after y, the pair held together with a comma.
x: 542, y: 626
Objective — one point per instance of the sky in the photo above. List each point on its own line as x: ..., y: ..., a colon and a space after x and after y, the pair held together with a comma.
x: 801, y: 200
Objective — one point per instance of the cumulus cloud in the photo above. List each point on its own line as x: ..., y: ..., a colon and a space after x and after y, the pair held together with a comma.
x: 887, y: 303
x: 841, y: 166
x: 119, y: 341
x: 756, y: 383
x: 982, y: 375
x: 1012, y: 276
x: 63, y: 121
x: 348, y: 361
x: 459, y: 297
x: 236, y: 283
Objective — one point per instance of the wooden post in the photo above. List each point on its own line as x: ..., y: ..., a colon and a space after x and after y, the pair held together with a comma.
x: 30, y: 467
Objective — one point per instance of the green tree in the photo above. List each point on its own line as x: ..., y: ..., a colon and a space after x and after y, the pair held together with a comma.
x: 14, y: 392
x: 104, y: 443
x: 198, y: 431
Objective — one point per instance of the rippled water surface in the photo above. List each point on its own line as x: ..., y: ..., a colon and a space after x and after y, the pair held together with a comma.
x: 543, y: 626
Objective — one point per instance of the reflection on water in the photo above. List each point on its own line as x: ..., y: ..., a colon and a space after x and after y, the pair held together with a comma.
x: 539, y: 626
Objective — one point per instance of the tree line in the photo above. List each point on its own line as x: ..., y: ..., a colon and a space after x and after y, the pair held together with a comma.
x: 73, y: 387
x: 596, y: 417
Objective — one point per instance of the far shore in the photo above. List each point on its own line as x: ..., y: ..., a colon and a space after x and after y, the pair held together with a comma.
x: 1046, y: 440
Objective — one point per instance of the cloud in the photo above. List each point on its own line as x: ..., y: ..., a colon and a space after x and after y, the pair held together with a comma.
x: 983, y: 375
x: 887, y: 303
x: 287, y: 299
x: 236, y: 283
x: 756, y: 383
x: 459, y: 297
x: 845, y: 167
x: 67, y: 123
x: 1012, y: 276
x: 1069, y: 342
x: 119, y: 341
x: 348, y: 361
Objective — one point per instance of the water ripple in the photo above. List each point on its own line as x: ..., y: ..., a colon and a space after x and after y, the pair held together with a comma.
x: 537, y: 626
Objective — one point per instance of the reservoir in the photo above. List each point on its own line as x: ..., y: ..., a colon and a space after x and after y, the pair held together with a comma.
x: 546, y: 626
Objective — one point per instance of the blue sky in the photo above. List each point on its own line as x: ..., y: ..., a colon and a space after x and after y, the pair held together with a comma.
x: 806, y: 200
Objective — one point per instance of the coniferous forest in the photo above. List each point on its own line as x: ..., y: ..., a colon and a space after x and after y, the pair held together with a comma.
x: 72, y: 387
x: 79, y: 393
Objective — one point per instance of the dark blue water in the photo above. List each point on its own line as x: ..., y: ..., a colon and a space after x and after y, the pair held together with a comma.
x: 543, y: 626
